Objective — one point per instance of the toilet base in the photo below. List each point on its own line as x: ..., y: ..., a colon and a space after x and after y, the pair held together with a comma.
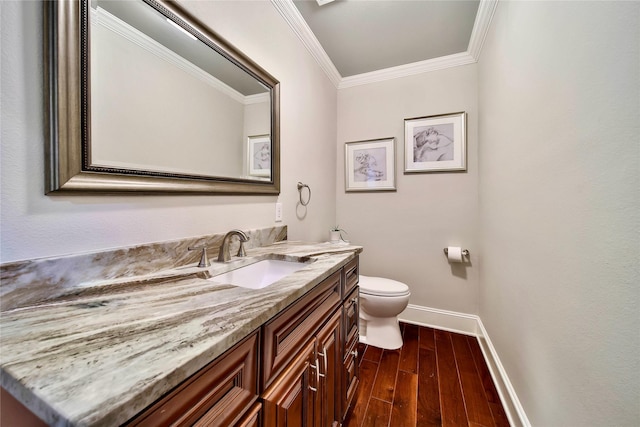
x: 383, y: 333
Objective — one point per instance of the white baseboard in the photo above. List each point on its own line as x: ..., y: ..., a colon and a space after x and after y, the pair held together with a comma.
x: 470, y: 324
x: 510, y: 401
x: 440, y: 319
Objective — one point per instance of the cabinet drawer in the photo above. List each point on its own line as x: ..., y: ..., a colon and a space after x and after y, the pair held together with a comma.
x: 217, y: 395
x: 288, y: 332
x: 351, y: 276
x: 350, y: 320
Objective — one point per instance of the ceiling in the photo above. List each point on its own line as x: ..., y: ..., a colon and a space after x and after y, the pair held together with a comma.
x: 363, y: 41
x: 360, y: 41
x: 364, y: 36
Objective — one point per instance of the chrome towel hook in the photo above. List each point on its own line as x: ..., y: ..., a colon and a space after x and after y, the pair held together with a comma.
x: 300, y: 187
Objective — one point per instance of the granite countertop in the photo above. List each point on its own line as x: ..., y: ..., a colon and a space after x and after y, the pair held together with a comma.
x: 103, y: 352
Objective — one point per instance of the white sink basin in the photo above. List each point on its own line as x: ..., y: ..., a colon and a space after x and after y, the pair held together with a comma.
x: 258, y: 275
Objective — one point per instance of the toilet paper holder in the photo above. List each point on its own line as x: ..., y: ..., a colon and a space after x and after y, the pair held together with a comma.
x: 465, y: 252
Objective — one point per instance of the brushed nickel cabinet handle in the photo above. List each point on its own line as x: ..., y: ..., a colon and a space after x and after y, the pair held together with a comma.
x: 315, y: 367
x: 324, y: 353
x: 324, y: 359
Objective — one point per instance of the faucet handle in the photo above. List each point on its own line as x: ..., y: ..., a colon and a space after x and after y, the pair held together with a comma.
x: 204, y: 261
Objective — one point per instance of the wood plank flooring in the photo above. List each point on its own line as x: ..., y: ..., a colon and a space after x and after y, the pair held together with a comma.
x: 437, y: 378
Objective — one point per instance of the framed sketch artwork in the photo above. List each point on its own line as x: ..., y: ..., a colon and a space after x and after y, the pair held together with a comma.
x: 435, y: 143
x: 370, y: 165
x: 259, y: 155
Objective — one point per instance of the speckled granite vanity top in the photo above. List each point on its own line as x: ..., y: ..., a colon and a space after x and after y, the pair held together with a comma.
x: 99, y: 354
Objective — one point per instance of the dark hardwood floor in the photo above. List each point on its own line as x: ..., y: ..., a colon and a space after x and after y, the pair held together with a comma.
x: 437, y: 378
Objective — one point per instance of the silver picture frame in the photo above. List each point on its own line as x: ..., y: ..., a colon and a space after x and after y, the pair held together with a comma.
x: 370, y: 165
x: 435, y: 143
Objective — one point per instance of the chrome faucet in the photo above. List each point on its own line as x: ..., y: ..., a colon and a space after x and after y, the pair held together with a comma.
x: 223, y: 255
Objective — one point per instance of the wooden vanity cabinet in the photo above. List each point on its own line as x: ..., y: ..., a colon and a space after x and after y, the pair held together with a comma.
x: 302, y: 364
x: 310, y: 358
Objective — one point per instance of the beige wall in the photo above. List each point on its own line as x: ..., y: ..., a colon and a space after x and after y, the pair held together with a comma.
x: 34, y: 225
x: 404, y: 232
x: 559, y: 157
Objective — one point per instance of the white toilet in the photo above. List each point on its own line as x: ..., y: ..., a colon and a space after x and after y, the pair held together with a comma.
x: 381, y: 300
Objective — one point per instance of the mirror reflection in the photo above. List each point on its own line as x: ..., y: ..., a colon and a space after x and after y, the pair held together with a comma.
x: 164, y: 101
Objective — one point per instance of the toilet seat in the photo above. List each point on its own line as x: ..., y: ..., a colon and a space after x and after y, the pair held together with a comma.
x: 382, y: 287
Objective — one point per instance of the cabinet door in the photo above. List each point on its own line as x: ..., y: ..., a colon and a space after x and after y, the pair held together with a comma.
x: 290, y: 400
x: 328, y: 342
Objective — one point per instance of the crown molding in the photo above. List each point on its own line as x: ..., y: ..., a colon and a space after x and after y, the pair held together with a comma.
x: 486, y: 9
x: 258, y: 98
x: 292, y: 16
x: 420, y: 67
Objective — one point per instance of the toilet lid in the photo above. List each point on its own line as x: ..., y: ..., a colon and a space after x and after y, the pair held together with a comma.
x: 382, y: 286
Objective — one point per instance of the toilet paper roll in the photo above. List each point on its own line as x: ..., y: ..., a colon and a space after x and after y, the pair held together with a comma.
x: 454, y: 253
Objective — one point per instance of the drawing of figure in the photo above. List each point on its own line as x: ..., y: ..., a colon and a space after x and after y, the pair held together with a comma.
x: 366, y: 167
x: 262, y: 156
x: 432, y: 145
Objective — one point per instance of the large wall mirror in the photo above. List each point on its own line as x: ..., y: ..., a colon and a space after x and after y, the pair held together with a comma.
x: 145, y: 98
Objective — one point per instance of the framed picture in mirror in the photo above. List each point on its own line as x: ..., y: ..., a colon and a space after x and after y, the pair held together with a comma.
x: 259, y: 155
